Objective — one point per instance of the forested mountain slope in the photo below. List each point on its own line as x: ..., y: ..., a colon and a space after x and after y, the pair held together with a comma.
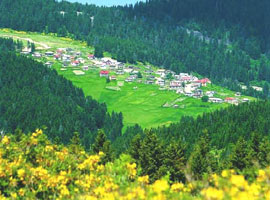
x: 34, y: 96
x: 248, y: 17
x: 134, y: 34
x: 224, y: 126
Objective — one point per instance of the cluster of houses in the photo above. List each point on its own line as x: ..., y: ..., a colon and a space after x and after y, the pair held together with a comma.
x: 183, y: 83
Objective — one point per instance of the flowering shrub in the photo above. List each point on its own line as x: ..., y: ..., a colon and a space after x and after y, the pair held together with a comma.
x: 31, y: 167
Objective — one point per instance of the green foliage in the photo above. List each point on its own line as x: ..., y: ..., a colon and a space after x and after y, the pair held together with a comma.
x: 101, y: 144
x: 98, y: 52
x: 39, y: 97
x: 205, y: 99
x: 201, y: 160
x: 241, y: 155
x: 175, y: 161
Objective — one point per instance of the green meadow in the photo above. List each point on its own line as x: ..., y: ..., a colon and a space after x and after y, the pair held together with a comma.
x: 140, y: 104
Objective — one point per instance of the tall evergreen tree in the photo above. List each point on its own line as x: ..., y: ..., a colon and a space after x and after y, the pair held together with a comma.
x: 201, y: 160
x: 101, y: 144
x: 175, y: 161
x: 241, y: 157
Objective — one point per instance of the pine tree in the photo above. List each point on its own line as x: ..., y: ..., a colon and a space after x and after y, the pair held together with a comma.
x: 75, y: 143
x: 135, y: 147
x: 241, y: 156
x: 101, y: 144
x: 151, y: 156
x: 175, y: 161
x: 98, y: 51
x: 264, y: 152
x: 201, y: 160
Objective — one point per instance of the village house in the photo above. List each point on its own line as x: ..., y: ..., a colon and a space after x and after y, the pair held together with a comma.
x: 120, y: 72
x: 49, y: 64
x: 204, y: 81
x: 186, y: 79
x: 81, y: 60
x: 170, y: 72
x: 195, y: 85
x: 231, y: 100
x: 149, y: 82
x: 129, y: 79
x: 69, y: 50
x: 180, y: 91
x: 243, y: 87
x: 134, y: 77
x: 113, y: 78
x: 259, y: 89
x: 79, y: 13
x: 37, y: 55
x: 210, y: 93
x: 149, y: 71
x: 127, y: 70
x: 66, y: 58
x: 151, y: 77
x: 245, y: 100
x: 49, y: 54
x: 57, y: 57
x: 60, y: 50
x: 175, y: 106
x: 75, y: 63
x: 25, y: 52
x: 134, y: 72
x: 161, y: 72
x: 198, y: 94
x: 85, y: 68
x: 91, y: 56
x: 103, y: 73
x: 120, y: 66
x: 78, y: 53
x: 175, y: 85
x: 189, y: 94
x: 65, y: 63
x: 112, y: 67
x: 160, y: 82
x: 215, y: 100
x: 238, y: 94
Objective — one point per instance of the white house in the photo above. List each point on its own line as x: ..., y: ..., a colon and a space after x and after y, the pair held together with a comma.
x: 215, y: 100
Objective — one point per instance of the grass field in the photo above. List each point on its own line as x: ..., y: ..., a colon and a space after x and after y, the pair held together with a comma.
x: 143, y: 105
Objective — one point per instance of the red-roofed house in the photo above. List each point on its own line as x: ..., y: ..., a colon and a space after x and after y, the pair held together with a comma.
x: 231, y: 100
x: 104, y: 73
x: 57, y: 57
x: 91, y: 56
x: 204, y: 81
x: 75, y: 63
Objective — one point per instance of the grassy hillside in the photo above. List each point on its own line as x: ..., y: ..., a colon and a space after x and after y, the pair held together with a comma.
x: 139, y: 103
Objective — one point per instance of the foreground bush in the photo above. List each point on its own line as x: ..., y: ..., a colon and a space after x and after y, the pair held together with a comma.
x: 32, y: 167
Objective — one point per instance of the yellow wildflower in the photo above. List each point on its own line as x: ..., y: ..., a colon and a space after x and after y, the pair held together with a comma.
x: 261, y: 176
x: 160, y: 186
x: 143, y: 179
x: 238, y: 180
x: 5, y: 140
x: 64, y: 190
x: 21, y: 192
x: 14, y: 195
x: 225, y: 173
x: 132, y: 169
x: 212, y: 193
x: 177, y: 187
x: 21, y: 173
